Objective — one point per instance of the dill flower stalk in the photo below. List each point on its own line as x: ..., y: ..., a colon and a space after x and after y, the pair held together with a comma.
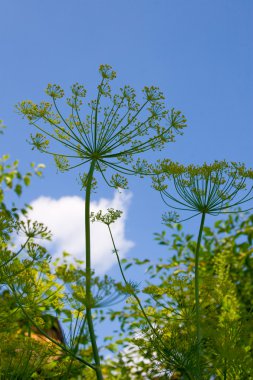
x: 212, y: 189
x: 113, y: 135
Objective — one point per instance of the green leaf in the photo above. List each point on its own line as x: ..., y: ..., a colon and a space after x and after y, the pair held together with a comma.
x: 27, y: 180
x: 18, y: 189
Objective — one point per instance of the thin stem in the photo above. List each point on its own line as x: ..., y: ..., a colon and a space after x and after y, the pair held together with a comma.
x: 75, y: 348
x: 139, y: 303
x: 128, y: 124
x: 15, y: 254
x: 96, y: 115
x: 108, y: 129
x: 225, y: 371
x: 62, y: 346
x: 71, y: 133
x: 142, y: 147
x: 88, y: 272
x: 71, y: 146
x: 86, y: 134
x: 132, y: 293
x: 128, y: 136
x: 197, y: 293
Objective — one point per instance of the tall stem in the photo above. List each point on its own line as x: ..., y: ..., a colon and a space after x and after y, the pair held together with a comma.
x: 88, y: 273
x: 197, y: 293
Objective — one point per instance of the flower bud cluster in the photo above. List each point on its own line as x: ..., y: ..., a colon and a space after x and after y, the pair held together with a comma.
x: 108, y: 218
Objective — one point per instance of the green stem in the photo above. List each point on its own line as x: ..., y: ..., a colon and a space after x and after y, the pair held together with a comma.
x: 132, y: 293
x: 138, y: 300
x: 197, y: 293
x: 88, y: 273
x: 15, y: 254
x: 62, y: 346
x: 67, y: 375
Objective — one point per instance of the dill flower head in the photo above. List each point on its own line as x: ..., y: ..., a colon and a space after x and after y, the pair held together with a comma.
x: 107, y: 218
x: 211, y: 188
x: 33, y: 229
x: 111, y: 131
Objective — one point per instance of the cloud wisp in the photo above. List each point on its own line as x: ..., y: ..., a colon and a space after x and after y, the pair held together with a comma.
x: 65, y: 218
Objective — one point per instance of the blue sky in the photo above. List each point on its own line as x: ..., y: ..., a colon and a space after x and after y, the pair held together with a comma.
x: 198, y: 52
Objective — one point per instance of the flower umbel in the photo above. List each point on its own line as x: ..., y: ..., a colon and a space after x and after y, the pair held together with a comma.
x: 116, y: 128
x: 33, y: 229
x: 211, y: 188
x: 108, y: 218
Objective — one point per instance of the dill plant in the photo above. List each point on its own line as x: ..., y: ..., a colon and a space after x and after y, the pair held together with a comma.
x: 130, y: 287
x: 226, y: 304
x: 20, y: 356
x: 115, y: 132
x: 210, y: 189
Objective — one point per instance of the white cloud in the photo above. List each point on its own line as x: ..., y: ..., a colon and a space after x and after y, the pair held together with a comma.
x: 65, y: 218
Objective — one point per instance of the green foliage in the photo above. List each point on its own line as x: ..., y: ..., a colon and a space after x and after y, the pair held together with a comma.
x: 226, y: 289
x: 36, y: 295
x: 12, y: 179
x: 207, y: 189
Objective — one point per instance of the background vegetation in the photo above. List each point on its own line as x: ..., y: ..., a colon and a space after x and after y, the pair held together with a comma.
x: 43, y: 324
